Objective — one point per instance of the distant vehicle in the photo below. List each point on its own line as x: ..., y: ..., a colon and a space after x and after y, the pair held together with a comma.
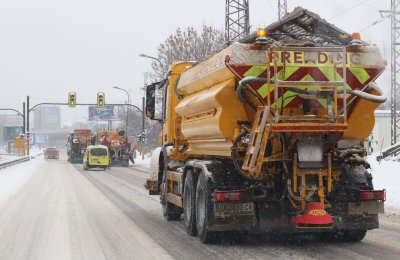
x: 96, y: 156
x: 51, y: 153
x: 77, y: 142
x: 118, y: 145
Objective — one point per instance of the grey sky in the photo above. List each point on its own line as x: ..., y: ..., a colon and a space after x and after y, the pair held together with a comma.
x: 51, y: 47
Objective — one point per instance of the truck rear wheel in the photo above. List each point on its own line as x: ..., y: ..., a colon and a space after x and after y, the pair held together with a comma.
x: 170, y: 211
x: 203, y: 209
x: 355, y: 235
x: 343, y: 236
x: 189, y: 200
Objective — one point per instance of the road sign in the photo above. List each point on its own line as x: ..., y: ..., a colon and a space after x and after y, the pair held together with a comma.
x: 18, y: 143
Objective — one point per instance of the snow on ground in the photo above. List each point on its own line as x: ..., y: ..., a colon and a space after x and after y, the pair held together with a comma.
x: 386, y: 175
x: 7, y: 157
x: 13, y: 178
x: 143, y: 163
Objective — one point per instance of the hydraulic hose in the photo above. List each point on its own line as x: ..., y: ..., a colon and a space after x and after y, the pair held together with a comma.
x: 358, y: 93
x: 234, y: 160
x: 373, y: 98
x: 242, y: 86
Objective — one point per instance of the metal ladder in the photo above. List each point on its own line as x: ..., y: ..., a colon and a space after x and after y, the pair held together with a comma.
x: 255, y: 151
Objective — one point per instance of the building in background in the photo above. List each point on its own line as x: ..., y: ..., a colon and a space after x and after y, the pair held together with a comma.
x: 47, y: 118
x: 380, y: 136
x: 47, y: 126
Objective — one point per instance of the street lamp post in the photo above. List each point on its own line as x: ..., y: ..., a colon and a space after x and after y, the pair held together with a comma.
x: 143, y: 100
x: 127, y: 109
x: 150, y: 57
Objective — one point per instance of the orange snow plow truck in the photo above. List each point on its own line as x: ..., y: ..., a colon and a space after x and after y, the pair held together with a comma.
x: 268, y: 134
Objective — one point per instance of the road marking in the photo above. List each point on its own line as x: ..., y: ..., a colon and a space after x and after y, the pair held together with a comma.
x: 382, y: 242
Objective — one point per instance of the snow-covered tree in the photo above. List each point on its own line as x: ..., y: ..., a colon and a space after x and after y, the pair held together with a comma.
x: 185, y: 45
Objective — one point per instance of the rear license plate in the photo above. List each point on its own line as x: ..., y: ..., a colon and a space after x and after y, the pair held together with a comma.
x: 229, y: 209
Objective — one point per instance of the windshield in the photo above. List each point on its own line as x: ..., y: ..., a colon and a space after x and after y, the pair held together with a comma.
x: 98, y: 152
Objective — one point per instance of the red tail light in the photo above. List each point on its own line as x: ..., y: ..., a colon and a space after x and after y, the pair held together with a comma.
x: 229, y: 196
x: 373, y: 195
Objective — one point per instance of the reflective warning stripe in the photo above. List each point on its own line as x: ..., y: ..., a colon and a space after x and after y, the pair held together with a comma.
x: 356, y: 76
x: 255, y: 71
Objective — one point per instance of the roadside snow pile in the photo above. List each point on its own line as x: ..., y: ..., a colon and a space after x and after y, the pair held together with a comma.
x: 144, y: 163
x: 386, y: 175
x: 8, y: 157
x: 35, y: 152
x: 13, y: 178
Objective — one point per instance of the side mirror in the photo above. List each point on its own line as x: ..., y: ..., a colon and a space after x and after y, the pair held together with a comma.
x: 151, y: 101
x: 154, y: 100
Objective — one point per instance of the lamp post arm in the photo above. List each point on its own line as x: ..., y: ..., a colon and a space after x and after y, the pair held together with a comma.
x: 12, y: 109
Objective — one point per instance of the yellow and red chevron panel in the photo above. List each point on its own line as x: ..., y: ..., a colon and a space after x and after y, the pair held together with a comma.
x: 292, y: 67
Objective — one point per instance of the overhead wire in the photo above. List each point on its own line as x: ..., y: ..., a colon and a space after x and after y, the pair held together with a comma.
x: 347, y: 10
x: 375, y: 22
x: 273, y: 9
x: 367, y: 4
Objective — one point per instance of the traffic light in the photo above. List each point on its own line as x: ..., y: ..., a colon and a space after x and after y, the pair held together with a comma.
x: 72, y: 99
x: 100, y: 99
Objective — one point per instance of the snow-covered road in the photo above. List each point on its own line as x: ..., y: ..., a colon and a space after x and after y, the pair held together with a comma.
x: 54, y: 210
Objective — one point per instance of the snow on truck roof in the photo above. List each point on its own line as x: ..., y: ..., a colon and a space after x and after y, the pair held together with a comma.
x: 302, y: 26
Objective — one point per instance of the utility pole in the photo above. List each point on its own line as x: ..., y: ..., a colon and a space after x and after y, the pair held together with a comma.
x: 27, y: 125
x: 23, y: 119
x: 237, y: 20
x: 395, y: 66
x: 143, y: 133
x: 394, y: 13
x: 282, y: 9
x: 144, y: 113
x: 24, y: 126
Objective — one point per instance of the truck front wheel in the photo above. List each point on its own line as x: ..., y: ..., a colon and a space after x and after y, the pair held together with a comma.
x: 203, y: 209
x: 189, y: 200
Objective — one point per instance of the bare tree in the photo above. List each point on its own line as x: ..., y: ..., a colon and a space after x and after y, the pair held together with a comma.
x: 185, y: 45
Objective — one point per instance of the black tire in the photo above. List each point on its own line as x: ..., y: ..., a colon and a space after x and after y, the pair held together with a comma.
x: 355, y: 235
x: 343, y: 236
x: 170, y: 211
x: 189, y: 202
x: 203, y: 209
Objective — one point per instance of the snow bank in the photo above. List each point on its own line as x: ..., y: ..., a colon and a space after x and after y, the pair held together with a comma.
x: 13, y: 178
x: 386, y: 175
x: 8, y: 157
x: 143, y: 163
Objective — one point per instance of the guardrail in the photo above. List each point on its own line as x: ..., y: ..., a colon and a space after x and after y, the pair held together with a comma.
x: 13, y: 162
x: 392, y: 150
